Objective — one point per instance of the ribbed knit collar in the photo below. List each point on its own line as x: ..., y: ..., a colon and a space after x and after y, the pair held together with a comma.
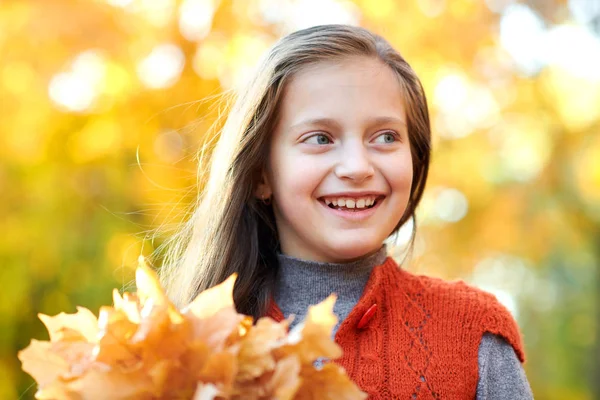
x: 314, y: 270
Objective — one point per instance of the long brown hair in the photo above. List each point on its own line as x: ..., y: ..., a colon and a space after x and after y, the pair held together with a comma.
x: 230, y: 230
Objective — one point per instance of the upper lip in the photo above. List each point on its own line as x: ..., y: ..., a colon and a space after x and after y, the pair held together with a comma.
x: 354, y: 194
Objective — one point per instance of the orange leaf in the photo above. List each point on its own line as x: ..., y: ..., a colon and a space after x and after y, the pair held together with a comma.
x: 195, y: 357
x: 328, y: 383
x: 83, y: 325
x: 311, y: 339
x: 220, y: 370
x: 129, y: 304
x: 102, y: 382
x: 286, y: 379
x: 148, y: 284
x: 113, y: 346
x: 150, y: 292
x: 44, y: 365
x: 255, y: 356
x: 212, y: 300
x: 215, y: 330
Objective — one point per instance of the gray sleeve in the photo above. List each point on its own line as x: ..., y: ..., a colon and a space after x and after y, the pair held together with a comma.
x: 501, y: 375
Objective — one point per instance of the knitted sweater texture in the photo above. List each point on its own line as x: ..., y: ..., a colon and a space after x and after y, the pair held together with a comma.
x: 423, y: 340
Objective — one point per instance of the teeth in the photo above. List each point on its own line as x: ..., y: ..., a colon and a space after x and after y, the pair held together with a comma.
x: 351, y: 203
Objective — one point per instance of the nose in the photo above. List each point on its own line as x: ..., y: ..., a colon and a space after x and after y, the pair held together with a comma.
x: 354, y: 163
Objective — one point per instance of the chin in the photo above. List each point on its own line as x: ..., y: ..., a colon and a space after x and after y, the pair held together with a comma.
x: 351, y: 250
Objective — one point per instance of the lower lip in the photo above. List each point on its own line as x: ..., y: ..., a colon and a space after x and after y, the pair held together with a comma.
x: 353, y: 215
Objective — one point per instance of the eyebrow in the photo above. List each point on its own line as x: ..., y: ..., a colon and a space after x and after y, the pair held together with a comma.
x: 332, y: 123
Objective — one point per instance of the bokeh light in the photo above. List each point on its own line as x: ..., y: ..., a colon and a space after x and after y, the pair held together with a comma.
x: 162, y: 67
x: 195, y: 18
x: 78, y: 88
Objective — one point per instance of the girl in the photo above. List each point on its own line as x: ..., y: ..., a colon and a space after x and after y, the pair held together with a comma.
x: 322, y: 158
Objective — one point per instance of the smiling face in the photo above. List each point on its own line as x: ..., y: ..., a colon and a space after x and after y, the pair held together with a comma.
x: 341, y: 135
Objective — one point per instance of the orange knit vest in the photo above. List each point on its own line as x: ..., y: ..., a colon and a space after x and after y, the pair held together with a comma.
x: 423, y: 340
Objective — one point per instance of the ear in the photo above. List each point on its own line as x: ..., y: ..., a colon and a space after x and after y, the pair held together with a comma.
x: 263, y: 189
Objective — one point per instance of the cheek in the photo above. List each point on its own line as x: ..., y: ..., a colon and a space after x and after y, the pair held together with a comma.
x: 399, y: 172
x: 293, y: 187
x: 295, y: 177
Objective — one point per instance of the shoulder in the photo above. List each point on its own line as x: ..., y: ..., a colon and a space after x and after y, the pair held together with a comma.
x: 452, y: 293
x: 464, y: 305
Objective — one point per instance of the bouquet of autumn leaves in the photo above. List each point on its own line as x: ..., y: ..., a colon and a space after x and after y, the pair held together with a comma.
x: 143, y: 347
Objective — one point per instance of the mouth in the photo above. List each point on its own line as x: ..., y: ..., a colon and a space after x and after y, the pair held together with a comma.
x: 351, y: 212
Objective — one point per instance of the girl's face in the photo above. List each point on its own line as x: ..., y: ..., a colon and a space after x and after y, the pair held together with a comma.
x: 340, y: 167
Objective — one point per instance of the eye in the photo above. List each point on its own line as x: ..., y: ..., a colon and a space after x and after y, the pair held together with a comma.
x: 319, y: 138
x: 387, y: 137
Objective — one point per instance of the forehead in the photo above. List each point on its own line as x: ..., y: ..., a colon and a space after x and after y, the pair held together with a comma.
x: 350, y: 87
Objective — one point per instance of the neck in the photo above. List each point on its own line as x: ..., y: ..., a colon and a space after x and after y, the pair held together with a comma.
x: 302, y: 283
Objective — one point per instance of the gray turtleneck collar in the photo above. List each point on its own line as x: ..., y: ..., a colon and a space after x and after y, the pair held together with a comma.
x: 302, y: 283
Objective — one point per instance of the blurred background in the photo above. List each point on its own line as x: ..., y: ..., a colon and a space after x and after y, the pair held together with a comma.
x: 104, y: 104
